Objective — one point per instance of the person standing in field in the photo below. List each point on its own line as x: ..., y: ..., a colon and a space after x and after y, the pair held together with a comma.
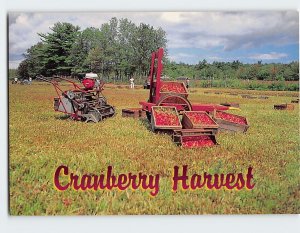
x: 187, y: 82
x: 131, y: 83
x: 30, y: 81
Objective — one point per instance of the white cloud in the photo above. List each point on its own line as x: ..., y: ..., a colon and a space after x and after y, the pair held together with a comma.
x: 178, y: 57
x: 215, y: 58
x: 14, y: 64
x: 172, y: 17
x: 268, y: 56
x: 233, y: 30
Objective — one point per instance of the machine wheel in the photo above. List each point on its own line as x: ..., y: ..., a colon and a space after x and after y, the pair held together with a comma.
x: 90, y: 118
x: 175, y: 99
x: 102, y: 101
x: 148, y: 114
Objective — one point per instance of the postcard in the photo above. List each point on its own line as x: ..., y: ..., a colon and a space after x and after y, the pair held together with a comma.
x: 153, y: 113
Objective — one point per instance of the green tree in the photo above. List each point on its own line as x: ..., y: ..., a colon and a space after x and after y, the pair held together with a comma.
x: 23, y: 70
x: 35, y: 59
x: 58, y: 45
x: 95, y: 60
x: 86, y: 40
x: 147, y: 40
x: 126, y: 66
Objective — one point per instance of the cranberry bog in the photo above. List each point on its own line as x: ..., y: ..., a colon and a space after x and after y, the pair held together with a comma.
x: 41, y: 139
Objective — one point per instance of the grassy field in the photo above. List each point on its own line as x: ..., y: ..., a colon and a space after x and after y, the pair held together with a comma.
x: 40, y: 140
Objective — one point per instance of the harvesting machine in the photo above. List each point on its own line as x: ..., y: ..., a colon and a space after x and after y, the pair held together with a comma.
x: 170, y: 93
x: 82, y: 103
x: 168, y: 100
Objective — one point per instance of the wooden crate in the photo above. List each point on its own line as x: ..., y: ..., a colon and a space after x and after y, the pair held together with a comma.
x: 192, y: 132
x: 189, y: 138
x: 188, y: 124
x: 263, y: 97
x: 284, y: 107
x: 245, y: 96
x: 154, y: 124
x: 235, y: 105
x: 133, y: 112
x: 226, y: 125
x: 181, y: 84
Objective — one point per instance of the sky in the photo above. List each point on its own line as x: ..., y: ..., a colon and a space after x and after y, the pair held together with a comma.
x: 247, y: 36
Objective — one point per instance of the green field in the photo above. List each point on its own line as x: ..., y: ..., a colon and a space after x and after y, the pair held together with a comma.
x: 40, y: 140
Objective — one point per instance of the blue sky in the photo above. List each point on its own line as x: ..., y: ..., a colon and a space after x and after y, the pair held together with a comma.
x: 266, y: 53
x: 270, y: 36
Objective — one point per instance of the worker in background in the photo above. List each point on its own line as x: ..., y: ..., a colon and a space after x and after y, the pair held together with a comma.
x: 131, y: 83
x: 187, y: 82
x: 30, y: 81
x: 98, y: 86
x: 16, y: 80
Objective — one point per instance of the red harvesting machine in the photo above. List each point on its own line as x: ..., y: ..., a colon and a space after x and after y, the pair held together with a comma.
x: 170, y: 93
x: 168, y: 100
x: 82, y: 103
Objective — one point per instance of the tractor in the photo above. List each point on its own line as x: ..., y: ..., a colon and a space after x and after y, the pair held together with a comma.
x: 85, y: 103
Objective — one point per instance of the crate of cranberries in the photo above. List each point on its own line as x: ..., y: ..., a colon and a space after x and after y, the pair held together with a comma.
x: 165, y: 118
x: 231, y: 122
x: 173, y: 87
x: 194, y: 138
x: 198, y: 120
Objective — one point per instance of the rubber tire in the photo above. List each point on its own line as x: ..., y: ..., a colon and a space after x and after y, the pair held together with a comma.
x: 148, y: 114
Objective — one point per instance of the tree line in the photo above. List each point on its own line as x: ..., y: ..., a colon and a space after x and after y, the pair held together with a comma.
x: 234, y: 70
x: 118, y: 50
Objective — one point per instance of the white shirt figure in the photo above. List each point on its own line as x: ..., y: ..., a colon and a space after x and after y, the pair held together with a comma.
x: 131, y: 83
x: 16, y: 79
x: 30, y: 80
x: 187, y: 82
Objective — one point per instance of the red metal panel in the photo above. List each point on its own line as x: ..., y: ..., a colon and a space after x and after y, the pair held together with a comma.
x: 146, y: 105
x: 208, y: 107
x: 151, y: 76
x: 160, y: 54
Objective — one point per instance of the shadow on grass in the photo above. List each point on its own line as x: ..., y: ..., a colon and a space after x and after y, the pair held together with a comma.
x: 145, y: 123
x: 62, y: 117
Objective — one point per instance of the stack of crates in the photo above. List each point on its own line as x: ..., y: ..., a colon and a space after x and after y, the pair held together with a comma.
x: 199, y: 130
x: 196, y: 128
